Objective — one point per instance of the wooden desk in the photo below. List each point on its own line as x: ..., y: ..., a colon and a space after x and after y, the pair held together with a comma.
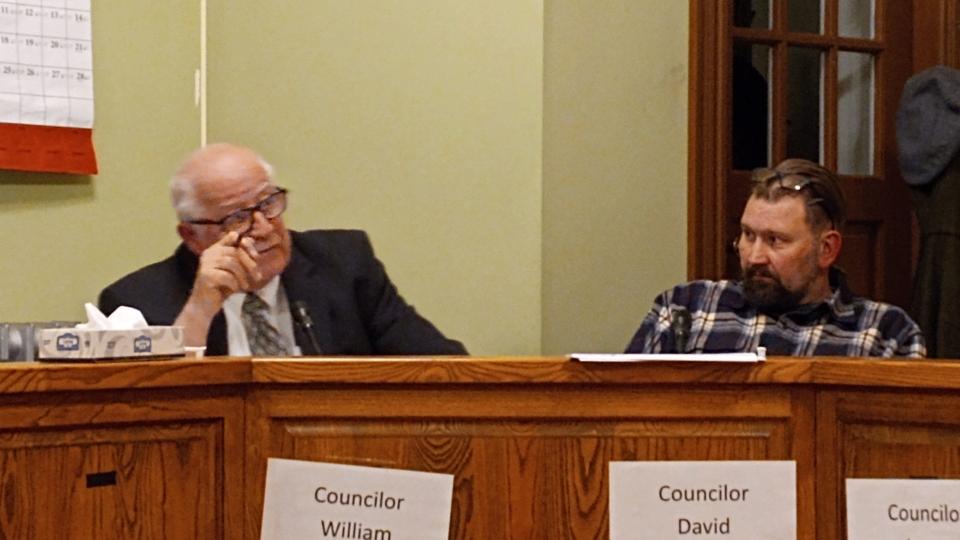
x: 528, y: 439
x: 171, y: 434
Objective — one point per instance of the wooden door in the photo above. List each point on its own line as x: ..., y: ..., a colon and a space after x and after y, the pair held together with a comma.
x: 816, y: 79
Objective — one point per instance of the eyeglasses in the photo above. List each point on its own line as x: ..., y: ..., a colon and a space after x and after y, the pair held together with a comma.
x: 241, y: 221
x: 795, y: 183
x: 790, y: 182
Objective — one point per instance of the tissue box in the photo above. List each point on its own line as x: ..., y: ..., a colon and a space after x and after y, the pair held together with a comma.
x: 77, y: 344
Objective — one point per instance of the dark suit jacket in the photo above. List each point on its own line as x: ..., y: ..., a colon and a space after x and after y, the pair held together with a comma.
x: 355, y: 308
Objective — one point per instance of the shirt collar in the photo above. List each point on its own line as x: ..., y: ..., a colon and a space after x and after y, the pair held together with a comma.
x: 269, y: 292
x: 841, y: 302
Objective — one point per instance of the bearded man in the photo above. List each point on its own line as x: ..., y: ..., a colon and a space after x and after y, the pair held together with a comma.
x: 791, y: 298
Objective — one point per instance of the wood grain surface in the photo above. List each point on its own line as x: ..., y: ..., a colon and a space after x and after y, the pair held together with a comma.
x: 26, y: 377
x: 178, y: 448
x: 121, y: 464
x: 530, y: 461
x: 882, y: 434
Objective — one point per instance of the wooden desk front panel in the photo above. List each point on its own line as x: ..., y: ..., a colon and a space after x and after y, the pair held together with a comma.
x: 167, y: 455
x: 899, y: 434
x: 529, y: 461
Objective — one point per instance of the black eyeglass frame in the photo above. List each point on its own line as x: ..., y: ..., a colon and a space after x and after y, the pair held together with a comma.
x: 245, y: 215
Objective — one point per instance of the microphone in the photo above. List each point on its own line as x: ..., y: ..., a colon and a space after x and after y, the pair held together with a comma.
x: 301, y: 316
x: 680, y: 325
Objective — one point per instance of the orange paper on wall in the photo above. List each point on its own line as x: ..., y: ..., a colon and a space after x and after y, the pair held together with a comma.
x: 26, y: 147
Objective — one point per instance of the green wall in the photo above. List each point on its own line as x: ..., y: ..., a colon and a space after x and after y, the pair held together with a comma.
x: 65, y: 237
x: 614, y: 173
x: 419, y: 122
x: 519, y: 165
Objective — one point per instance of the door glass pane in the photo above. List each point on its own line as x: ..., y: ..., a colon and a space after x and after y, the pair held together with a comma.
x: 804, y: 100
x: 805, y: 16
x: 751, y: 13
x: 750, y: 138
x: 856, y: 18
x: 855, y: 113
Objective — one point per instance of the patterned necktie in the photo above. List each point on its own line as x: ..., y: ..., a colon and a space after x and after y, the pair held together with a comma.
x: 264, y: 338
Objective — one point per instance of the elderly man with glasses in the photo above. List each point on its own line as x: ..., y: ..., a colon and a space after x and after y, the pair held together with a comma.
x: 791, y: 299
x: 241, y: 283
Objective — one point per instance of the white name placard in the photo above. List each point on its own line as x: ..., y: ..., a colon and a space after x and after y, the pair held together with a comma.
x: 902, y: 509
x: 742, y: 500
x: 306, y: 499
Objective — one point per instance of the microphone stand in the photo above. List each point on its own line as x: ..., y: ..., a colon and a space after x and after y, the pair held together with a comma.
x: 301, y: 316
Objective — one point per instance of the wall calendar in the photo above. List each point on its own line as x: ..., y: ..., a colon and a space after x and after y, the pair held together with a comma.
x: 46, y: 86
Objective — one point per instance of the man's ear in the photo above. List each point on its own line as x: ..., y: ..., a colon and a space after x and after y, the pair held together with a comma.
x: 189, y: 237
x: 830, y: 243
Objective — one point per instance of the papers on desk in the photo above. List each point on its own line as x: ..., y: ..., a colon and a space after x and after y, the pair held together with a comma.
x: 887, y: 508
x: 304, y: 499
x: 758, y: 356
x: 652, y: 500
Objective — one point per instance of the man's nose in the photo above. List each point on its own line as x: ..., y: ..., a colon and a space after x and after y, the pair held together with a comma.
x: 261, y: 225
x: 754, y: 253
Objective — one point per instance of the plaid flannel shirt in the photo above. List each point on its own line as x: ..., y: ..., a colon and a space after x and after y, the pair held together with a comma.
x: 723, y: 321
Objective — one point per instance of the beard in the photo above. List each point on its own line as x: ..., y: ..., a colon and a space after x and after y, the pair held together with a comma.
x: 769, y: 295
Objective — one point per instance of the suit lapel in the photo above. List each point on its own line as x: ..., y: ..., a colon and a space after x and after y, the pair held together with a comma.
x: 217, y: 336
x: 301, y: 282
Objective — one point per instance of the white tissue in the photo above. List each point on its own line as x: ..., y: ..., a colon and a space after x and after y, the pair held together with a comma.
x: 122, y: 318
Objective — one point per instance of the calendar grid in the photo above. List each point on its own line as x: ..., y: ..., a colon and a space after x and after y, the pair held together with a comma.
x: 46, y: 65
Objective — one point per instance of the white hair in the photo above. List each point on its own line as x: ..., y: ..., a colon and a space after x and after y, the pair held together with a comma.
x: 183, y: 190
x: 182, y: 197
